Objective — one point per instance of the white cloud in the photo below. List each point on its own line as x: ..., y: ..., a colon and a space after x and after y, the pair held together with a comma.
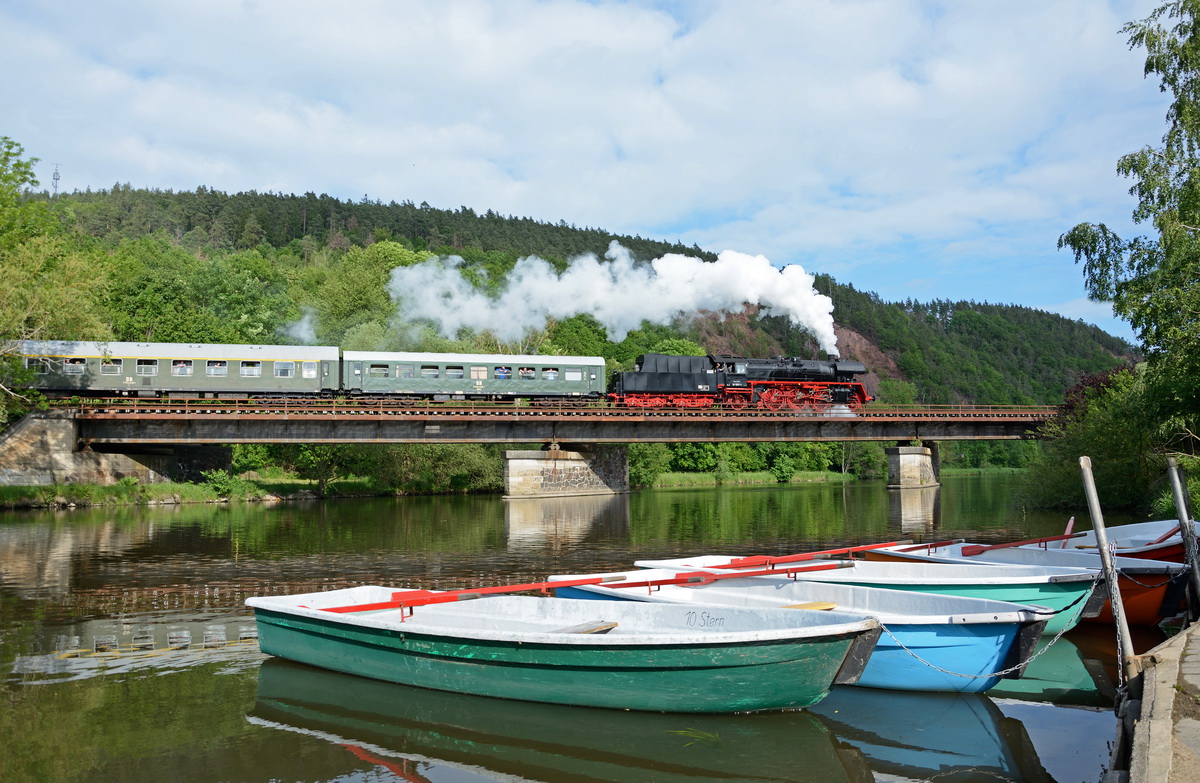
x: 830, y: 133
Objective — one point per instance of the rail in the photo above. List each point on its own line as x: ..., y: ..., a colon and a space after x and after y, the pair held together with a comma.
x: 346, y: 408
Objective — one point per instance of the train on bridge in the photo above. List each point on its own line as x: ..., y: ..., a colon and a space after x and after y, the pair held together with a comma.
x: 204, y: 371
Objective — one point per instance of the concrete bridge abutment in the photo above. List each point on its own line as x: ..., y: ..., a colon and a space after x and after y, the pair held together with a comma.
x: 914, y: 466
x: 557, y: 472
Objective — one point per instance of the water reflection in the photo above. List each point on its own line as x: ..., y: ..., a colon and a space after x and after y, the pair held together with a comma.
x: 129, y: 574
x: 540, y: 523
x: 914, y: 509
x: 418, y: 730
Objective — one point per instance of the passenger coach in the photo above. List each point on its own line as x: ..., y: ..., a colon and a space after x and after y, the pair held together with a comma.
x: 457, y: 376
x: 180, y: 370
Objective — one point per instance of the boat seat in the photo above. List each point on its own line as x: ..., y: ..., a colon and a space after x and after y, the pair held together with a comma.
x: 820, y: 606
x: 591, y: 626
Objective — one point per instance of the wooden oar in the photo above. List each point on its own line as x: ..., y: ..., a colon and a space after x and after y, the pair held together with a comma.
x: 1166, y: 535
x: 705, y: 577
x: 421, y: 597
x: 931, y: 545
x: 758, y: 560
x: 409, y: 598
x: 975, y: 549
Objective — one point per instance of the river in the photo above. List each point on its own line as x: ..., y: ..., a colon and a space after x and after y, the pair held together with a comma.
x: 127, y: 654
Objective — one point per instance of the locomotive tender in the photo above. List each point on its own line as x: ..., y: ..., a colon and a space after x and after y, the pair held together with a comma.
x: 124, y: 369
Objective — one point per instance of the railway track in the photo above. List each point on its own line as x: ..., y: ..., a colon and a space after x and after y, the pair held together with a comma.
x: 284, y: 409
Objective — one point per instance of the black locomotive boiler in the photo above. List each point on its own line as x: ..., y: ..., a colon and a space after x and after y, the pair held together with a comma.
x: 779, y: 383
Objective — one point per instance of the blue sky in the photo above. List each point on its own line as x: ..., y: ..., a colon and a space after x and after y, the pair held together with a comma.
x: 932, y: 150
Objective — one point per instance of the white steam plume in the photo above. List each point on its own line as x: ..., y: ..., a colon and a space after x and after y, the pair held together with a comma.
x: 619, y: 294
x: 304, y: 330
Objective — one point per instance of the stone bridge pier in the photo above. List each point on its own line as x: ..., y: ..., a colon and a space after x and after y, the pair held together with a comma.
x: 914, y: 466
x: 557, y: 471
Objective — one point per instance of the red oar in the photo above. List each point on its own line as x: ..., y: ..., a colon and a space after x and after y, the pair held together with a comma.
x: 410, y: 598
x: 705, y: 577
x: 975, y: 549
x: 1165, y: 536
x: 763, y: 560
x: 421, y: 597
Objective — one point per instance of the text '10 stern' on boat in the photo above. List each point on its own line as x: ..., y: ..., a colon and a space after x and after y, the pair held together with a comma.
x: 631, y: 656
x: 930, y: 642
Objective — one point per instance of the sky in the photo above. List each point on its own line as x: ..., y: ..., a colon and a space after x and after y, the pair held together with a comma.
x: 917, y: 149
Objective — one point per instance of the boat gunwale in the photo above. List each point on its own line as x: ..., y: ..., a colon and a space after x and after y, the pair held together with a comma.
x: 795, y: 633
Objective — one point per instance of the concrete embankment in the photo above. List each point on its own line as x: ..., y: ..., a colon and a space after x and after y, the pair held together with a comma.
x: 1159, y: 740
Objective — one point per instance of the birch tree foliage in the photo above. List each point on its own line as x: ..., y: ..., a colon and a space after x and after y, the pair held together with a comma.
x: 1153, y: 280
x: 48, y: 286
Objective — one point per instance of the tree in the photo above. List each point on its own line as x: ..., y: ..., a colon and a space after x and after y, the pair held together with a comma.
x: 1153, y: 281
x: 50, y: 288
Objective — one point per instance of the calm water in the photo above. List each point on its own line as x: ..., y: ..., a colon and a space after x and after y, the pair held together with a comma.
x: 92, y: 603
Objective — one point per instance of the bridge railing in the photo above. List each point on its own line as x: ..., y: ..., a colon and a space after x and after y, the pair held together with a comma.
x: 287, y: 407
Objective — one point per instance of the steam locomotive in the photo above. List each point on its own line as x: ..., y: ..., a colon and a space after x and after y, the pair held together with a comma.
x: 121, y: 369
x: 781, y: 383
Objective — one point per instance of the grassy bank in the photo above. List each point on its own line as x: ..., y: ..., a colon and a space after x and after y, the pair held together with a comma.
x: 131, y: 492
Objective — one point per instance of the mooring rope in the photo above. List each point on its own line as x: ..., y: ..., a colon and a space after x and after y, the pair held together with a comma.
x: 1002, y: 672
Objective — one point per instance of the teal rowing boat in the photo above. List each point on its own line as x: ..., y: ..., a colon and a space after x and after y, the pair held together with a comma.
x: 620, y: 655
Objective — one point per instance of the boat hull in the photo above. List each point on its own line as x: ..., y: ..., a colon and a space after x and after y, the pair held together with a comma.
x: 1066, y: 593
x: 929, y: 643
x: 1150, y: 589
x: 680, y: 675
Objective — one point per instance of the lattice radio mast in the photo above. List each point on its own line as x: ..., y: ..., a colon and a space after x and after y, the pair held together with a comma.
x: 54, y: 177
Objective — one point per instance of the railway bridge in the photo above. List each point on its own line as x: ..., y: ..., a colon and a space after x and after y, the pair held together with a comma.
x: 94, y: 440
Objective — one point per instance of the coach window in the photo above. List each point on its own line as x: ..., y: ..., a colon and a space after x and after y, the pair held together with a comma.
x: 74, y: 366
x: 549, y: 373
x: 181, y: 367
x: 251, y: 369
x: 573, y: 374
x: 526, y: 374
x: 147, y: 366
x: 404, y: 371
x: 503, y: 373
x: 39, y: 365
x: 217, y: 368
x: 478, y: 373
x: 455, y: 373
x: 377, y: 370
x: 111, y: 366
x: 429, y: 371
x: 285, y: 369
x: 308, y: 369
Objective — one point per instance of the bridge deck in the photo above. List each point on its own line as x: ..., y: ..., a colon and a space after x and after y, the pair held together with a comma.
x: 372, y: 421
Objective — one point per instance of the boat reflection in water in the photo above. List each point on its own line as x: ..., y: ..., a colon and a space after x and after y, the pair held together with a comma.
x: 950, y: 736
x: 426, y: 735
x: 854, y: 735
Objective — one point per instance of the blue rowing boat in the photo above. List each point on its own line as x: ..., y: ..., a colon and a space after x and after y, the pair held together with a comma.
x: 929, y: 642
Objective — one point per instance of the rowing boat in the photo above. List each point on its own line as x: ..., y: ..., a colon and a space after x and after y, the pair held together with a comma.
x: 929, y: 642
x: 655, y: 657
x: 1070, y: 593
x: 1157, y: 540
x: 1150, y: 589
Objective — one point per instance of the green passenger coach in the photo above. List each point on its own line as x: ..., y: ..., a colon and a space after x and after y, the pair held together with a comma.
x: 180, y: 370
x: 498, y: 377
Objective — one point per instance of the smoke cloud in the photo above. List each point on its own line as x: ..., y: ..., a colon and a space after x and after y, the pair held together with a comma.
x: 620, y: 294
x: 302, y: 331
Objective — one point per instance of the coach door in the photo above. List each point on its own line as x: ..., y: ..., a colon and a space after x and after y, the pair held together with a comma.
x: 354, y: 379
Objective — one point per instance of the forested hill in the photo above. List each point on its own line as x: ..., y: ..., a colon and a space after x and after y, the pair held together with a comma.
x: 205, y: 266
x: 211, y: 219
